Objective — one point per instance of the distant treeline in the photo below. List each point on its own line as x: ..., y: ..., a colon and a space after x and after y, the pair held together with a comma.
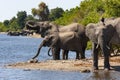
x: 89, y: 11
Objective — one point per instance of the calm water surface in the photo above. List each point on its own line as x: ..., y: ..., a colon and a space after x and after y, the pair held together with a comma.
x: 18, y: 48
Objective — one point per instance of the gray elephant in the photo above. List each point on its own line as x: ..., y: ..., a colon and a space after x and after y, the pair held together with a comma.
x: 66, y: 41
x: 102, y: 35
x: 47, y: 28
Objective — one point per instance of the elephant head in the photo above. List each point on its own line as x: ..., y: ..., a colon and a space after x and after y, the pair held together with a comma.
x: 49, y: 41
x: 32, y: 25
x: 44, y: 28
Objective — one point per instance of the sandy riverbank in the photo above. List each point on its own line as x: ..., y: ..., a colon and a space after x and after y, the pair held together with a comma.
x: 66, y: 65
x: 35, y: 36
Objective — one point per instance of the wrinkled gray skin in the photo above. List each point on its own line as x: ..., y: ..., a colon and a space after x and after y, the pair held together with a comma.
x: 63, y: 40
x: 102, y: 35
x: 47, y: 28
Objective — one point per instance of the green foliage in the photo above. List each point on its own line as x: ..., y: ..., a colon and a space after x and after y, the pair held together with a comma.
x: 34, y: 11
x: 6, y: 22
x: 90, y: 11
x: 92, y: 17
x: 14, y: 26
x: 2, y: 27
x: 29, y: 17
x: 89, y: 45
x: 112, y: 8
x: 21, y: 16
x: 56, y: 13
x: 69, y: 16
x: 42, y: 12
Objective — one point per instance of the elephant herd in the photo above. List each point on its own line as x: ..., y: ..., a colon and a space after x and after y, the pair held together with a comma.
x: 74, y: 37
x: 19, y: 33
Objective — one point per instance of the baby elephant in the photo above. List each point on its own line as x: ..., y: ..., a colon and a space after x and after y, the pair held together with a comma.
x: 68, y: 41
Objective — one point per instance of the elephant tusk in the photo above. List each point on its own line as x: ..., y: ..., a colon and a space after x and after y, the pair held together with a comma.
x: 97, y: 46
x: 108, y: 47
x: 28, y: 25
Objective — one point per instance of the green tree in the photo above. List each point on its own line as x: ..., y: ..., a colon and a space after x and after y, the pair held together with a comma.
x: 2, y: 27
x: 112, y: 8
x: 56, y: 13
x: 29, y: 17
x: 13, y: 25
x: 21, y: 16
x: 70, y: 16
x: 42, y: 12
x: 6, y: 22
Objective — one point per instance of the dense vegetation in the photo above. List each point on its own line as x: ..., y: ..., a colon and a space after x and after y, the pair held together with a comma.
x: 88, y: 11
x: 91, y: 11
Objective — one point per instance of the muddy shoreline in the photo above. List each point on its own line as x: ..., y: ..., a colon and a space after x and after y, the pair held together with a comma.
x: 66, y: 65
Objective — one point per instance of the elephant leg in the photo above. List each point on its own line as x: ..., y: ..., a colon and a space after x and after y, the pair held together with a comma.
x: 56, y: 53
x: 106, y: 53
x: 83, y: 49
x: 77, y: 55
x: 82, y: 55
x: 65, y: 54
x: 95, y: 56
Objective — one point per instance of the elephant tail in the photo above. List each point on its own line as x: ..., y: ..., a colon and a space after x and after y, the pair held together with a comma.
x: 49, y: 51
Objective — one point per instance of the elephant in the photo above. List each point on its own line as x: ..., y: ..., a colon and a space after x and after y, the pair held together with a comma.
x: 47, y: 28
x: 102, y: 35
x: 19, y: 33
x: 15, y: 33
x: 63, y: 40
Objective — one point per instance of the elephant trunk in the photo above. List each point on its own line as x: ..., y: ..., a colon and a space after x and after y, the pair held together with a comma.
x: 39, y: 49
x: 31, y: 26
x: 49, y: 51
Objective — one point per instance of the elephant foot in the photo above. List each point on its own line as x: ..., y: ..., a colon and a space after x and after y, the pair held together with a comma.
x: 94, y: 69
x: 33, y: 61
x: 82, y: 58
x: 107, y: 69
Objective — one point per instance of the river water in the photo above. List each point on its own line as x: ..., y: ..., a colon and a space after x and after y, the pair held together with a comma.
x: 19, y: 48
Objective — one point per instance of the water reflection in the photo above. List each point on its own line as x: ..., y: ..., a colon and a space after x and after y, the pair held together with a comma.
x: 104, y: 75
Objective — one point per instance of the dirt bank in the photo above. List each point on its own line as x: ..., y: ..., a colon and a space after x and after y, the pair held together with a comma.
x: 66, y: 65
x: 35, y: 35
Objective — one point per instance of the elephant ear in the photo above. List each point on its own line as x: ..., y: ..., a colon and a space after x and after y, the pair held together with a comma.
x: 53, y: 39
